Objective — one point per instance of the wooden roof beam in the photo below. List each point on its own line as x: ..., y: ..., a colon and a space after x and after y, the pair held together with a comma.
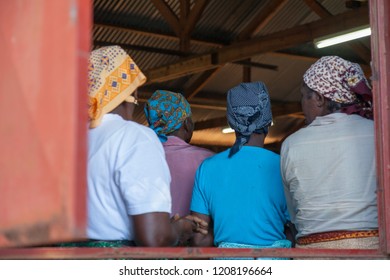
x: 183, y: 25
x: 168, y: 15
x: 260, y: 20
x: 272, y: 42
x: 195, y: 87
x: 160, y: 35
x: 263, y: 17
x: 194, y: 15
x: 278, y: 109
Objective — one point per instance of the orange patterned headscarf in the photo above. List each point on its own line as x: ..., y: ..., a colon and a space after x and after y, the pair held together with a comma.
x: 113, y: 77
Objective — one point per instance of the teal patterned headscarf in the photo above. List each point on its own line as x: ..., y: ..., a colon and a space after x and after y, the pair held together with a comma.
x: 165, y: 112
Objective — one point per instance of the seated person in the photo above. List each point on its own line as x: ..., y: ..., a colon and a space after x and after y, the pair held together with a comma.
x: 129, y: 202
x: 328, y: 167
x: 169, y: 115
x: 239, y: 192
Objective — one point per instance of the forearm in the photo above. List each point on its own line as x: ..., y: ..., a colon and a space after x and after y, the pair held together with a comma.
x: 200, y: 240
x: 155, y: 230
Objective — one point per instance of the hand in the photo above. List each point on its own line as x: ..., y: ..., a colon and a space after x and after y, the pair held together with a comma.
x: 175, y: 217
x: 200, y: 225
x: 187, y: 226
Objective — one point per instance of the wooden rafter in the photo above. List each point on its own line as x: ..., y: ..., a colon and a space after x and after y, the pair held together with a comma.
x: 196, y: 86
x: 279, y: 40
x: 169, y: 15
x: 357, y: 47
x: 366, y: 67
x: 183, y: 25
x: 160, y: 35
x: 195, y: 15
x: 278, y: 109
x: 260, y: 20
x: 184, y: 14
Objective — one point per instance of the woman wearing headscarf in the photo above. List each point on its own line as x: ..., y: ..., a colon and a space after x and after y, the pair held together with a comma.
x: 328, y: 167
x: 239, y: 191
x: 169, y: 115
x: 127, y: 204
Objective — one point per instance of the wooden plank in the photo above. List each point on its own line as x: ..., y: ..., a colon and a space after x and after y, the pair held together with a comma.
x: 278, y: 109
x: 259, y: 21
x: 262, y: 18
x: 160, y: 35
x: 184, y: 14
x: 318, y: 8
x: 168, y: 14
x: 195, y: 15
x: 284, y: 39
x: 293, y: 36
x: 141, y: 253
x: 195, y: 87
x: 189, y: 66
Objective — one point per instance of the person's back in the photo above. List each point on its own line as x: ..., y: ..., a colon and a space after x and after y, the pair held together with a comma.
x: 331, y: 174
x: 240, y: 191
x: 244, y: 196
x: 169, y: 115
x: 183, y: 160
x: 117, y: 189
x: 328, y: 167
x: 127, y: 204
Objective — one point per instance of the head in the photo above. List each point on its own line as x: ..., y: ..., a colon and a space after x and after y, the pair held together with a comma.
x: 314, y: 104
x: 113, y: 81
x: 333, y: 84
x: 248, y: 112
x: 169, y: 113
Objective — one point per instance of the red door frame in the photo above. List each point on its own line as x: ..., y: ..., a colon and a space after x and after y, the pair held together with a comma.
x: 379, y: 17
x: 43, y: 81
x: 380, y: 47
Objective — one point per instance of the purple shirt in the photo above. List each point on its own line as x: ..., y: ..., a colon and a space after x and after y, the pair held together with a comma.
x: 183, y: 161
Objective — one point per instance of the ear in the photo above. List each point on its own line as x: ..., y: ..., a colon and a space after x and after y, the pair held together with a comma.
x: 188, y: 128
x: 320, y: 100
x: 188, y: 125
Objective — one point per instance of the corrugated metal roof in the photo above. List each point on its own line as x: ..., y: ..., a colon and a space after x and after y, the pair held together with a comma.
x: 150, y: 40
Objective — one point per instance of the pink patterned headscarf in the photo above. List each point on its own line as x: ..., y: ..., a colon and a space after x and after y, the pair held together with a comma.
x: 343, y: 82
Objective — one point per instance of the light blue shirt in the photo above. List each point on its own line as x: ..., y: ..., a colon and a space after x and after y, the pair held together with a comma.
x: 243, y: 195
x: 328, y: 170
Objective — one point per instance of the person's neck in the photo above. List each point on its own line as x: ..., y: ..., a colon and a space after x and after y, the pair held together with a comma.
x: 256, y: 140
x: 125, y: 110
x: 179, y: 134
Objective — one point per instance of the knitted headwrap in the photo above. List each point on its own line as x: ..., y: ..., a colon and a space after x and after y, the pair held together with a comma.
x: 166, y: 111
x: 343, y: 82
x: 113, y: 77
x: 248, y: 111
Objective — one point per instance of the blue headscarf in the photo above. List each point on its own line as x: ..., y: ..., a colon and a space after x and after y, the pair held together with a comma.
x: 248, y: 111
x: 166, y: 111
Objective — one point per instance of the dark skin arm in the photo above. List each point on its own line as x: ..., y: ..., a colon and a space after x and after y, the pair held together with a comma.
x: 156, y: 229
x: 203, y: 240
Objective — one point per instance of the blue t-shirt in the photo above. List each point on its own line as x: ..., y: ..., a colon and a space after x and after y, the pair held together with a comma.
x: 243, y: 195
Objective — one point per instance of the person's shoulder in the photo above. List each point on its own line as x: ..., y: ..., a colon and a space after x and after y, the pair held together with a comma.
x: 202, y: 150
x: 215, y: 157
x: 296, y: 136
x: 140, y: 131
x: 360, y: 120
x: 271, y: 154
x: 137, y: 127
